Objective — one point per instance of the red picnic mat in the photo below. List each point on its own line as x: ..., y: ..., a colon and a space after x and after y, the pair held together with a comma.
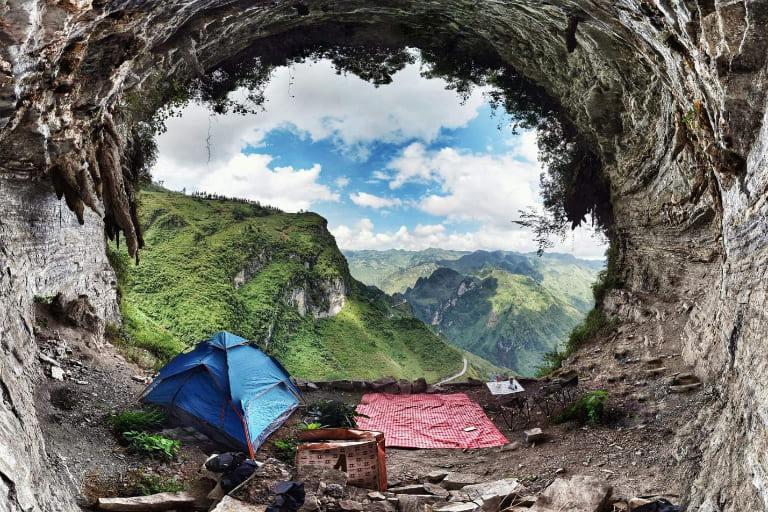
x: 428, y: 421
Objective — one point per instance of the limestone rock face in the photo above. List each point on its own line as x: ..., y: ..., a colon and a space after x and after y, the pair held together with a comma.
x: 670, y: 94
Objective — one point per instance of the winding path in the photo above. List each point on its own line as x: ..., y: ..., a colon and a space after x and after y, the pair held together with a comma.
x: 462, y: 372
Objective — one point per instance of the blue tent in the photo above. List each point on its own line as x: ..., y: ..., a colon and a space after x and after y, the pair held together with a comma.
x: 228, y: 389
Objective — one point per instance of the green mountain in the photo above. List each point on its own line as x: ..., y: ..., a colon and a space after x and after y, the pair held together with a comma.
x: 275, y: 278
x: 507, y: 307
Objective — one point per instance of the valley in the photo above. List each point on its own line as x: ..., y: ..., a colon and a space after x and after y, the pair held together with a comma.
x: 507, y: 307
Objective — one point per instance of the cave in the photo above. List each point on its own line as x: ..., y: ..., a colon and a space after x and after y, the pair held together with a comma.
x: 669, y: 95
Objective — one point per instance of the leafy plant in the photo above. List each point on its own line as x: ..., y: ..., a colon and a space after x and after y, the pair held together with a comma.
x: 47, y: 299
x: 333, y: 414
x: 287, y: 447
x: 136, y: 420
x: 587, y: 408
x: 151, y: 444
x: 147, y: 484
x: 310, y: 426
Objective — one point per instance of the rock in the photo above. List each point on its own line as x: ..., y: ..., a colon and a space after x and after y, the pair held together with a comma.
x: 408, y: 489
x: 81, y: 313
x: 436, y: 476
x: 415, y: 502
x: 161, y: 501
x: 436, y: 490
x: 684, y: 382
x: 419, y: 386
x: 404, y: 387
x: 57, y: 373
x: 47, y: 359
x: 343, y: 385
x: 620, y: 506
x: 509, y: 447
x: 385, y: 385
x: 454, y: 481
x: 334, y: 490
x: 579, y: 494
x: 376, y: 496
x: 379, y: 506
x: 637, y: 503
x: 459, y: 506
x: 230, y: 504
x: 350, y: 506
x: 311, y: 504
x: 317, y: 478
x: 497, y: 490
x: 533, y: 435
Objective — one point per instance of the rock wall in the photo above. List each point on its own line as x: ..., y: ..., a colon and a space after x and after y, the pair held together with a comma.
x: 670, y: 93
x: 43, y: 251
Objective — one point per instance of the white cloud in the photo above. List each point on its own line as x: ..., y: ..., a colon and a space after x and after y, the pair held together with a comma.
x: 362, y: 235
x: 525, y: 146
x: 320, y: 105
x: 489, y: 189
x: 342, y: 181
x: 250, y: 177
x: 372, y: 201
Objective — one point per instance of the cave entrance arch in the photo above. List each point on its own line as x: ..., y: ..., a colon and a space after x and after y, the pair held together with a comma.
x: 668, y: 95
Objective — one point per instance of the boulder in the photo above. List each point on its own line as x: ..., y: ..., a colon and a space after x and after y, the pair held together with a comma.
x: 385, y: 385
x: 379, y: 506
x: 81, y: 313
x: 578, y: 494
x: 404, y: 387
x: 419, y: 386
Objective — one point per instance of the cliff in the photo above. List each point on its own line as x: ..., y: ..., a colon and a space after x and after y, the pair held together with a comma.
x: 669, y: 94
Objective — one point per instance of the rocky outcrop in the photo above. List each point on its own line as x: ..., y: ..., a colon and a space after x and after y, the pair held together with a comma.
x: 669, y: 94
x: 325, y: 300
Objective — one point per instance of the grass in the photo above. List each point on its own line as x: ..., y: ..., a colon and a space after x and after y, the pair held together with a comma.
x: 137, y: 419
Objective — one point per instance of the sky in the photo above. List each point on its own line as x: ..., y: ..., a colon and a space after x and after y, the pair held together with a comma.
x: 408, y: 165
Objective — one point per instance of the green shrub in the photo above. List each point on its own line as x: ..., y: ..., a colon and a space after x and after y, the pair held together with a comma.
x: 588, y: 408
x: 151, y: 444
x: 47, y: 299
x: 136, y: 420
x: 146, y: 485
x: 333, y: 414
x: 287, y: 447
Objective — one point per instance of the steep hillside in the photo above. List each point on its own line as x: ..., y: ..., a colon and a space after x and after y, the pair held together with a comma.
x: 507, y: 307
x: 275, y: 278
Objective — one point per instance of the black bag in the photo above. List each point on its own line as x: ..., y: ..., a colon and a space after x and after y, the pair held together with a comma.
x: 239, y: 475
x: 660, y: 505
x: 225, y: 462
x: 290, y: 496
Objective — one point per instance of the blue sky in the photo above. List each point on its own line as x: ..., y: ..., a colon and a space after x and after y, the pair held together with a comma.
x: 406, y: 165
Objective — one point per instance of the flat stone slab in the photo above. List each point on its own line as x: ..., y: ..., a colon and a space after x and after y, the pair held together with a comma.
x: 457, y: 506
x: 409, y: 489
x: 454, y: 481
x: 160, y: 501
x: 496, y: 489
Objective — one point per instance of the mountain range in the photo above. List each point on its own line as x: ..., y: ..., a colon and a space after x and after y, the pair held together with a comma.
x: 507, y: 307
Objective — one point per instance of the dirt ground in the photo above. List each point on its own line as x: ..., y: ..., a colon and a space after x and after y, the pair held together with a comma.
x: 635, y: 451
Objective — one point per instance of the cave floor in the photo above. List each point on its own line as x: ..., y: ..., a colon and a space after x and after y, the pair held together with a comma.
x: 635, y: 450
